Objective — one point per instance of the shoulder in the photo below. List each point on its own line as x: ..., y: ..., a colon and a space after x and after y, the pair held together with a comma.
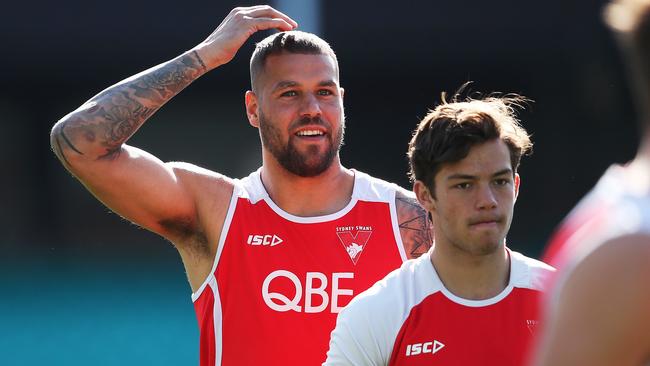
x: 211, y: 192
x: 394, y: 295
x: 383, y: 293
x: 603, y: 301
x: 609, y: 279
x: 195, y: 175
x: 529, y: 272
x: 414, y: 224
x: 616, y: 265
x: 408, y: 207
x: 367, y: 327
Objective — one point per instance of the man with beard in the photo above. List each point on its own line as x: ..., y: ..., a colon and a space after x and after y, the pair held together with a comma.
x: 273, y: 257
x: 470, y: 300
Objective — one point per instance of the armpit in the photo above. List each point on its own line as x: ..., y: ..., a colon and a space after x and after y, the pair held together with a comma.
x: 414, y: 226
x: 185, y: 235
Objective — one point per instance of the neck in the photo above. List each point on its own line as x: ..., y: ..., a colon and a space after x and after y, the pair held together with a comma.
x: 470, y: 276
x: 324, y: 194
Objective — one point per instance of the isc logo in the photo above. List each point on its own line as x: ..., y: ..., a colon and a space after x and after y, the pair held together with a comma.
x: 421, y: 348
x: 318, y: 290
x: 271, y: 240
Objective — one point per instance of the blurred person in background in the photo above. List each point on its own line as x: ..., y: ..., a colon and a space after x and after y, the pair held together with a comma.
x: 273, y: 257
x: 598, y: 308
x: 470, y: 300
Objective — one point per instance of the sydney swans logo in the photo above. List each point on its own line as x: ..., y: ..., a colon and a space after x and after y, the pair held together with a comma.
x: 354, y: 239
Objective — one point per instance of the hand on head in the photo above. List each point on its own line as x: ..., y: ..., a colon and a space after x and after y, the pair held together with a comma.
x: 221, y: 46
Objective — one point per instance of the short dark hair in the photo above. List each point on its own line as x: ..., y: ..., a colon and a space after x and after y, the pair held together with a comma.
x: 448, y: 132
x: 288, y: 42
x: 630, y: 20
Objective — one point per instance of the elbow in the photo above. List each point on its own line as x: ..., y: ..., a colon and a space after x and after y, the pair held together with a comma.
x: 56, y: 144
x: 62, y: 146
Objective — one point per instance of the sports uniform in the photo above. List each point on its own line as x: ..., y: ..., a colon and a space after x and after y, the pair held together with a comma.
x: 279, y: 280
x: 410, y: 318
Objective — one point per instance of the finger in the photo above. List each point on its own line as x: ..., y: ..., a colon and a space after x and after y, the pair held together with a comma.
x: 265, y: 11
x: 268, y: 23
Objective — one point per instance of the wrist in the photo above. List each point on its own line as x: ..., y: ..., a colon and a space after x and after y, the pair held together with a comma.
x: 205, y: 59
x: 199, y: 59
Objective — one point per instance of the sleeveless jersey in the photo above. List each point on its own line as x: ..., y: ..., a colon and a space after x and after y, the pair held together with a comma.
x: 410, y: 318
x: 279, y: 280
x: 612, y: 209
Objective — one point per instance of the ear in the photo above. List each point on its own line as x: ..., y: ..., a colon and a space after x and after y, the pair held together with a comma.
x: 517, y: 182
x: 252, y: 109
x: 342, y: 91
x: 424, y: 196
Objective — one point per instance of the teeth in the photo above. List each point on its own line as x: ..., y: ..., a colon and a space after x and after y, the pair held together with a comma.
x: 309, y: 133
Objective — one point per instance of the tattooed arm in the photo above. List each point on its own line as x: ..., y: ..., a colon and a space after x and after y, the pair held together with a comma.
x: 414, y: 225
x: 163, y: 197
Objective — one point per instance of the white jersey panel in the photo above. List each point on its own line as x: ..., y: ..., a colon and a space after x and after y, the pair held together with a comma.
x: 367, y: 328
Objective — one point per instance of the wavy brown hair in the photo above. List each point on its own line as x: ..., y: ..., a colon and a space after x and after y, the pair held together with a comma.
x: 449, y: 131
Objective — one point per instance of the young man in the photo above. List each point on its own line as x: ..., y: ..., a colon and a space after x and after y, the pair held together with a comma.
x: 273, y: 257
x: 470, y: 300
x: 597, y: 311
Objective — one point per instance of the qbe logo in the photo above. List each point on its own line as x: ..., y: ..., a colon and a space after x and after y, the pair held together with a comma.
x: 314, y: 290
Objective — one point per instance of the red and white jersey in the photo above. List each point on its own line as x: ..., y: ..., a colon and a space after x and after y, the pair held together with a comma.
x: 614, y: 208
x: 410, y: 318
x: 279, y: 280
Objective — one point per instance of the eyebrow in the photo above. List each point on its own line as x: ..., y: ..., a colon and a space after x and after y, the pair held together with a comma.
x: 285, y: 84
x: 472, y: 177
x: 327, y: 83
x: 290, y: 84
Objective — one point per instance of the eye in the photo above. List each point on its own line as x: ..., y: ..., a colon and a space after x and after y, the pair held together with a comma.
x: 463, y: 186
x: 325, y: 92
x: 502, y: 182
x: 289, y: 93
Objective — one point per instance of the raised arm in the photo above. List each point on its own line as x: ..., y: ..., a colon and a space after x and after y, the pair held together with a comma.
x: 162, y: 197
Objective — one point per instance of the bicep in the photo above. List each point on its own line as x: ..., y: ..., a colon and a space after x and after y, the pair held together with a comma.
x: 141, y: 188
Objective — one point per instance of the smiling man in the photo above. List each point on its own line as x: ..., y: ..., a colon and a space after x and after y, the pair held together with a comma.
x: 470, y: 300
x: 273, y: 257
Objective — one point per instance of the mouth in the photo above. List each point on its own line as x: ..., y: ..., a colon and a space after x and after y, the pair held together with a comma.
x: 311, y: 133
x: 485, y: 223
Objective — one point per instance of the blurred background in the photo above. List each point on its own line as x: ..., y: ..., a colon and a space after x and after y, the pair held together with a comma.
x: 79, y: 285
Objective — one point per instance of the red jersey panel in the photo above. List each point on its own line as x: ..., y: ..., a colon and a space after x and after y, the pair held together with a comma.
x: 457, y: 334
x: 280, y: 280
x: 410, y: 318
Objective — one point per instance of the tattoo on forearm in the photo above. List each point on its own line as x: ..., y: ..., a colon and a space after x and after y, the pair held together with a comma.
x: 415, y: 227
x: 103, y: 124
x: 196, y: 54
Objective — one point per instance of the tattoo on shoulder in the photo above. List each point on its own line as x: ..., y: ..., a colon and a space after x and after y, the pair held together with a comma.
x: 414, y: 226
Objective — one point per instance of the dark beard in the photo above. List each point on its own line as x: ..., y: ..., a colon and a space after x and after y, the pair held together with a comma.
x: 308, y: 164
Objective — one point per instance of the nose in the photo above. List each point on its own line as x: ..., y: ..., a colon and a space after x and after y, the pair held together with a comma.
x: 486, y: 199
x: 310, y: 106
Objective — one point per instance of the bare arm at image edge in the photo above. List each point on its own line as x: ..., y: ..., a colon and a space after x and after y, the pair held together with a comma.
x: 603, y: 312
